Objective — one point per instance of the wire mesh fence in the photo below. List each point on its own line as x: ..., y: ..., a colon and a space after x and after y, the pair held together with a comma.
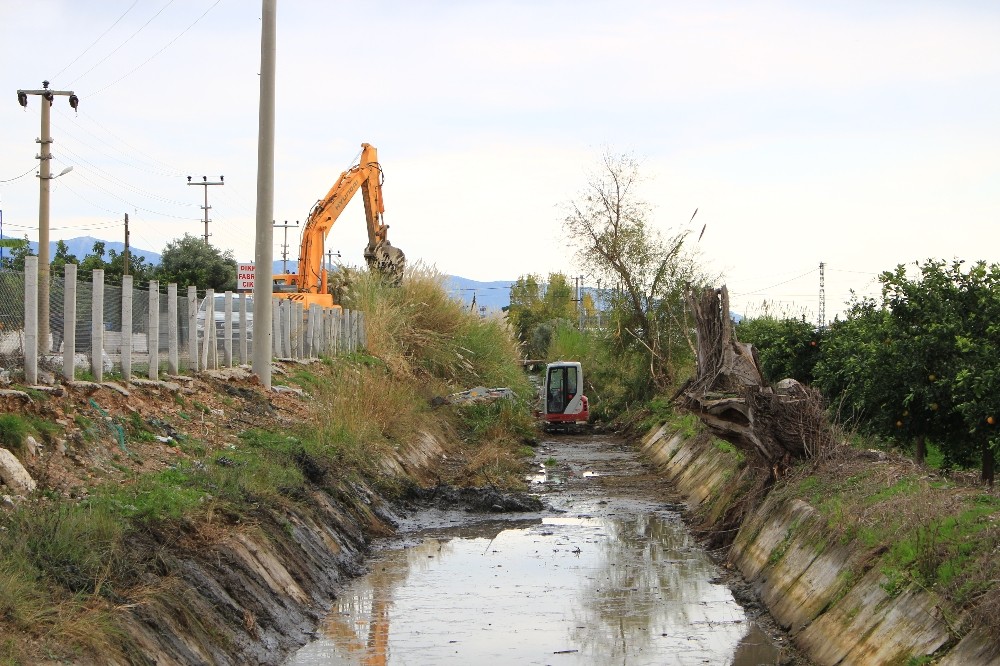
x: 156, y: 331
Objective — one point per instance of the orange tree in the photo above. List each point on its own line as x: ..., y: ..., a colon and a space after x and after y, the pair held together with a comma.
x: 786, y: 347
x: 920, y: 364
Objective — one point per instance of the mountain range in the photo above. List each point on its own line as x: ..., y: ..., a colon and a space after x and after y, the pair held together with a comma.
x: 491, y: 295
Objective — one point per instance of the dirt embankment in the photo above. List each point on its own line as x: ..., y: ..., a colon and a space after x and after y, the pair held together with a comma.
x: 223, y: 589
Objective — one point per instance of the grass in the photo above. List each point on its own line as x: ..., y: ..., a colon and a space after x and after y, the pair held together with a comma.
x: 13, y: 432
x: 65, y: 566
x: 920, y: 529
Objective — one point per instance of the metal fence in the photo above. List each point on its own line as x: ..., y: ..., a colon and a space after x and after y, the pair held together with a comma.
x: 94, y: 328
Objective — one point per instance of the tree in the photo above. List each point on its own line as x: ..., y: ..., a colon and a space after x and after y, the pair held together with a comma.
x: 649, y: 273
x: 786, y: 347
x: 14, y: 256
x: 190, y: 261
x: 536, y: 308
x: 920, y: 365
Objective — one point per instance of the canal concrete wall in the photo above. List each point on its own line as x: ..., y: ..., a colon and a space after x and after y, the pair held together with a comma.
x: 834, y: 603
x: 254, y: 594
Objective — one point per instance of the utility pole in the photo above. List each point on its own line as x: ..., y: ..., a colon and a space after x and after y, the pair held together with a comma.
x: 330, y: 254
x: 127, y: 262
x: 205, y: 183
x: 284, y: 246
x: 263, y: 287
x: 822, y: 296
x: 44, y: 158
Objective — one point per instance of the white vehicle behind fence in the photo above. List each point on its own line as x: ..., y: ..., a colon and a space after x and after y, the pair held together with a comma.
x: 220, y: 317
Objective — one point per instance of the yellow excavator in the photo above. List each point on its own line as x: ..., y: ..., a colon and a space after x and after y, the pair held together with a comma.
x: 310, y: 284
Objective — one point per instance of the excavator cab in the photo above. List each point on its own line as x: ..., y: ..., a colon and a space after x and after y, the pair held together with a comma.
x: 563, y: 402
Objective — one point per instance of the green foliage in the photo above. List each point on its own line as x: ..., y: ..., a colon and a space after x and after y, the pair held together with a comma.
x: 536, y: 310
x: 920, y: 365
x: 785, y: 347
x: 13, y: 431
x: 190, y: 261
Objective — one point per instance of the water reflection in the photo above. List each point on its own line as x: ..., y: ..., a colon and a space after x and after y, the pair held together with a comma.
x: 571, y: 590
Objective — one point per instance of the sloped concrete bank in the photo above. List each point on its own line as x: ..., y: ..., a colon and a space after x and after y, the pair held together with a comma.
x: 254, y: 594
x: 828, y: 595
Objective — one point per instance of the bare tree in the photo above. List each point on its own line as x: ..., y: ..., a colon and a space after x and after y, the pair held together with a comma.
x: 648, y: 271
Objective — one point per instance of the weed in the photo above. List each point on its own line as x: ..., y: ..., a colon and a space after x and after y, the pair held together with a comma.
x: 687, y: 424
x: 729, y: 449
x: 13, y: 432
x: 551, y: 462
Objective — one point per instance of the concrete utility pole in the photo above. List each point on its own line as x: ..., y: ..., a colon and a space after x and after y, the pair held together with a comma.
x: 284, y: 246
x: 44, y: 176
x: 127, y: 261
x: 205, y: 183
x: 264, y: 252
x: 822, y: 296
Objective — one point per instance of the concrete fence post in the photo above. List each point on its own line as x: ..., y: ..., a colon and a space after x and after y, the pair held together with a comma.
x: 173, y: 365
x: 97, y: 326
x: 300, y: 337
x: 31, y: 320
x: 153, y: 330
x: 275, y: 327
x: 286, y: 328
x: 246, y: 327
x: 345, y: 326
x: 69, y: 325
x: 193, y: 328
x: 126, y: 333
x: 227, y: 330
x: 208, y: 352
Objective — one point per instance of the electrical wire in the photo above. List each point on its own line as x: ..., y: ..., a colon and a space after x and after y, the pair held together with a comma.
x: 86, y: 50
x: 101, y: 173
x: 146, y: 61
x: 118, y: 48
x: 168, y: 168
x: 758, y: 292
x: 11, y: 180
x: 130, y: 204
x: 121, y: 158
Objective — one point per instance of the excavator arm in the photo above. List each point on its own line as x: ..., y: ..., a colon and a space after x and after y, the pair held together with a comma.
x: 381, y: 256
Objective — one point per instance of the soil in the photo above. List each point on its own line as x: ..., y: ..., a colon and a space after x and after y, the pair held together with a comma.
x: 92, y: 433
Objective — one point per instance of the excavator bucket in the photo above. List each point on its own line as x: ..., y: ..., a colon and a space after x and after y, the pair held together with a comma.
x: 387, y: 260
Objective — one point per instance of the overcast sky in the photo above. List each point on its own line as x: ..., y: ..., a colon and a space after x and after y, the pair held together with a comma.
x: 859, y: 134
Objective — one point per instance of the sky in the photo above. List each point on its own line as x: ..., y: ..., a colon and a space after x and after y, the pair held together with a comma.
x: 860, y: 135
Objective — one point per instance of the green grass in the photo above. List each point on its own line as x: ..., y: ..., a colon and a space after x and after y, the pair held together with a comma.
x: 13, y: 432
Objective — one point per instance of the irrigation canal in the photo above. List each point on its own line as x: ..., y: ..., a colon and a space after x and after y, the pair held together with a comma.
x: 607, y: 574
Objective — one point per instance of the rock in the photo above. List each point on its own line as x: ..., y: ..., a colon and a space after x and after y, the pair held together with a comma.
x: 15, y: 393
x: 13, y: 474
x: 116, y: 387
x: 32, y: 445
x: 7, y: 502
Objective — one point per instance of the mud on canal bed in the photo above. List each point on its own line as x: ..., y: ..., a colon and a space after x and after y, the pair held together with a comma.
x: 605, y: 573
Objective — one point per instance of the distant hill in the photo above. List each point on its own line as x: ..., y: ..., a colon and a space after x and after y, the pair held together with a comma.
x: 491, y: 295
x: 83, y: 245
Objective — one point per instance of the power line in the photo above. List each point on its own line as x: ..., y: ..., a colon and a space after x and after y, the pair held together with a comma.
x: 127, y: 40
x: 146, y: 61
x: 11, y: 180
x: 97, y: 171
x: 758, y: 292
x: 169, y: 169
x: 52, y: 78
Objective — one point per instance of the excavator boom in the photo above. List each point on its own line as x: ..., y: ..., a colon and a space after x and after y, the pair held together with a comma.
x: 381, y: 256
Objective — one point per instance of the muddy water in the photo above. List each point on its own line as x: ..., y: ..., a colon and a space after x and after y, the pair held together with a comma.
x: 607, y: 575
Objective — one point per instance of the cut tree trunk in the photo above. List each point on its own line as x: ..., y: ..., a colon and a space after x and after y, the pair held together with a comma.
x: 779, y: 424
